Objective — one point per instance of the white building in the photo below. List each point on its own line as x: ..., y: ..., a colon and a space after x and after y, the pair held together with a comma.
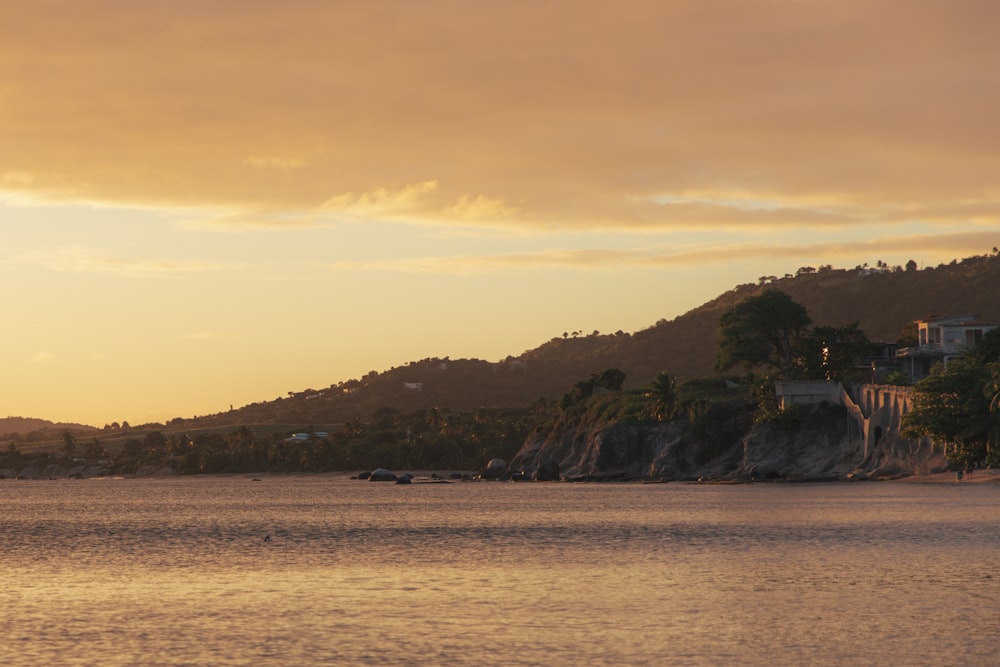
x: 939, y: 340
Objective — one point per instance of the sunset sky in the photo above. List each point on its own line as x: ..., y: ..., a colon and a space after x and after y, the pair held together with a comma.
x: 211, y: 203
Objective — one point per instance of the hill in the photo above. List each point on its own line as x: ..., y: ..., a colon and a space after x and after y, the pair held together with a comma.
x: 40, y: 428
x: 881, y: 299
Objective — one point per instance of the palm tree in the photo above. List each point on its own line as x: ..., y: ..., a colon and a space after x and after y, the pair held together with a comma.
x: 992, y: 391
x: 662, y: 391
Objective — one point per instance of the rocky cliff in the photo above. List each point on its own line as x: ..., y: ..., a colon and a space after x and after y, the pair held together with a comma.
x: 821, y: 445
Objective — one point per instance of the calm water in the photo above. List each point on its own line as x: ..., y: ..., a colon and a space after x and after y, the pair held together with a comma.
x: 177, y: 572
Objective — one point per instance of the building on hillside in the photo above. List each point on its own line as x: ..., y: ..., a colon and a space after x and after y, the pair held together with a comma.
x: 880, y: 362
x: 941, y: 339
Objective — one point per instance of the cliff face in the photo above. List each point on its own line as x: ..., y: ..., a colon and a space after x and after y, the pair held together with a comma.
x: 825, y: 447
x: 605, y: 451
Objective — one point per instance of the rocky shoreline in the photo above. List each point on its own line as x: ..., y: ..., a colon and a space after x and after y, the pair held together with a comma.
x: 54, y: 473
x: 826, y: 449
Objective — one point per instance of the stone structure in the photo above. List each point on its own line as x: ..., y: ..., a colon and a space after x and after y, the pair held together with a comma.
x: 876, y: 409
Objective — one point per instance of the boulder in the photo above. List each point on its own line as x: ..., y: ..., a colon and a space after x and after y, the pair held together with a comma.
x: 495, y: 469
x: 382, y: 475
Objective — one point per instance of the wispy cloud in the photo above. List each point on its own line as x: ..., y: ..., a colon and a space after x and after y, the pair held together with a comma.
x: 80, y: 259
x: 961, y: 244
x: 42, y: 358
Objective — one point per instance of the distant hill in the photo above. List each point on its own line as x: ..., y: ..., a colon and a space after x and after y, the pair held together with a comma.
x: 25, y: 425
x: 881, y: 299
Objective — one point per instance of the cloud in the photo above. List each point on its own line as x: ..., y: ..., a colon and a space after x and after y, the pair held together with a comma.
x: 79, y: 259
x: 555, y: 115
x: 42, y: 358
x: 16, y: 179
x: 471, y: 208
x: 961, y: 244
x: 382, y: 201
x: 418, y: 202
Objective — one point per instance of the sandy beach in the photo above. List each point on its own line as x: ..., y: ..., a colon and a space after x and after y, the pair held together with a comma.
x: 986, y: 476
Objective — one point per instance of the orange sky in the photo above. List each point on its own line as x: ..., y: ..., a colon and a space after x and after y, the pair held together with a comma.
x: 267, y: 197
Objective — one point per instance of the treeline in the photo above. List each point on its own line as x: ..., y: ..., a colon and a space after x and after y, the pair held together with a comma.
x: 422, y: 439
x: 432, y: 439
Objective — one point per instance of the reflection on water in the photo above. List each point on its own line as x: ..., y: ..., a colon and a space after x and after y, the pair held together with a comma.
x: 178, y: 571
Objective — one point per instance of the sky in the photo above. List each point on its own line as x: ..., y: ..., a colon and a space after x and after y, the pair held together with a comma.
x: 213, y: 203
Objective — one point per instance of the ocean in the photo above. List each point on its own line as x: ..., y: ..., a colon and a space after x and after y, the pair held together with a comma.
x: 323, y: 570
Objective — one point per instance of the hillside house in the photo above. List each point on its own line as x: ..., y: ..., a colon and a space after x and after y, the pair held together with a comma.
x: 941, y: 339
x: 880, y: 362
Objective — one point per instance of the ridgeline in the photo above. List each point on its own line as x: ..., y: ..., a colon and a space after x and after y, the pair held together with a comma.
x: 460, y: 413
x: 881, y: 299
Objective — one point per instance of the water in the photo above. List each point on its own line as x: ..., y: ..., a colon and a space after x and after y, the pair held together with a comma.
x: 178, y: 572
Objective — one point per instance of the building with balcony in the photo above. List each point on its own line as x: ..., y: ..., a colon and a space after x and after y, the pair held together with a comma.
x: 941, y: 339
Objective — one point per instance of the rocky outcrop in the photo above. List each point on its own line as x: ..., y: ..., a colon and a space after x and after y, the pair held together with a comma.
x: 894, y: 456
x: 547, y: 472
x: 613, y: 451
x: 803, y: 453
x: 823, y: 445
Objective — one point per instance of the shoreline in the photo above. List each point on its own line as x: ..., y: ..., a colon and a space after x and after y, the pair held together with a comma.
x: 984, y: 476
x: 979, y: 476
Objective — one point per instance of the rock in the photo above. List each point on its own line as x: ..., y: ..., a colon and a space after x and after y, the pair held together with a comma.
x: 547, y: 472
x: 382, y: 475
x: 495, y: 469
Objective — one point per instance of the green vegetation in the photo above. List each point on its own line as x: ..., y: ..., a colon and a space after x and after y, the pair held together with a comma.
x: 716, y: 411
x: 960, y: 405
x: 763, y: 330
x: 770, y: 330
x: 424, y: 439
x: 397, y: 418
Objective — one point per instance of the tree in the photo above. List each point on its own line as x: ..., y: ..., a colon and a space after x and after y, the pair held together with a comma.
x: 952, y: 406
x: 611, y: 379
x: 763, y: 330
x: 908, y: 336
x: 987, y: 350
x: 835, y: 352
x: 663, y: 395
x: 992, y: 393
x: 69, y: 444
x: 154, y: 440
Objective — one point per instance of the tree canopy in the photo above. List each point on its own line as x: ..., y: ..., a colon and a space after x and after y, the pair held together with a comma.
x: 834, y: 353
x: 772, y: 330
x: 763, y: 330
x: 958, y: 405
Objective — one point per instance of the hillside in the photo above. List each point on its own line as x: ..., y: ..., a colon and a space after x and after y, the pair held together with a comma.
x: 881, y: 300
x: 40, y: 428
